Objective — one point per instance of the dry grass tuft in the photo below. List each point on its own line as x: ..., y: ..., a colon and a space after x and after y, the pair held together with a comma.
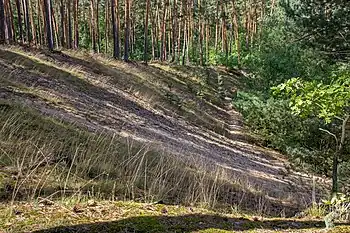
x: 42, y: 157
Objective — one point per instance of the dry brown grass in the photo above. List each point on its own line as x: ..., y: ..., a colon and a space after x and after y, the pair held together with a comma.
x: 136, y: 132
x: 45, y: 157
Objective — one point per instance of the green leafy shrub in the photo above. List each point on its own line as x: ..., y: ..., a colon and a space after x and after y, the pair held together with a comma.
x: 282, y: 130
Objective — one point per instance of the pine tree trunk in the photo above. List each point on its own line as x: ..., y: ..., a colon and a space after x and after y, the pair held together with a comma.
x: 190, y: 41
x: 19, y: 20
x: 40, y: 22
x: 70, y: 32
x: 131, y: 29
x: 157, y: 31
x: 236, y: 29
x: 2, y: 22
x: 338, y: 155
x: 126, y: 31
x: 48, y: 23
x: 54, y: 27
x: 11, y: 26
x: 145, y: 46
x: 63, y: 23
x: 207, y: 35
x: 262, y: 14
x: 153, y: 35
x: 6, y: 22
x: 201, y: 29
x: 119, y: 26
x: 26, y: 19
x: 247, y: 25
x: 32, y: 23
x: 98, y: 40
x: 76, y: 23
x: 93, y: 26
x: 174, y: 32
x: 115, y: 26
x: 224, y: 47
x: 217, y: 27
x: 179, y: 32
x: 163, y: 33
x: 106, y: 26
x: 184, y: 45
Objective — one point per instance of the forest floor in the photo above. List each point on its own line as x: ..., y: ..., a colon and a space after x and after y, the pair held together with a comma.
x: 93, y: 216
x: 180, y: 110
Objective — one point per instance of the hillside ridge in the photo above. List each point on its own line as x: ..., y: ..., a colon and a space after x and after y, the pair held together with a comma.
x: 173, y: 109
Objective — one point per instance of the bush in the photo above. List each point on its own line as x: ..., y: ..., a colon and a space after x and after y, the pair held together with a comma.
x: 280, y: 129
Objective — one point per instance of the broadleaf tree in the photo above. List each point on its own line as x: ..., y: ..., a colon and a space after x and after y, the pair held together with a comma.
x: 327, y: 101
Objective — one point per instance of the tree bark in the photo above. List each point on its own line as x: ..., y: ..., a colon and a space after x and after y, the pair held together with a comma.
x: 106, y: 26
x: 145, y: 52
x: 201, y: 30
x: 48, y: 23
x: 153, y: 34
x: 236, y: 29
x: 2, y: 22
x: 98, y: 40
x: 163, y: 33
x: 224, y: 44
x: 93, y: 26
x: 19, y: 20
x: 40, y: 22
x: 63, y: 23
x: 337, y: 155
x: 184, y: 45
x: 32, y: 24
x: 76, y: 27
x: 54, y: 27
x: 115, y: 26
x: 26, y: 19
x: 217, y: 26
x: 207, y: 35
x: 126, y: 31
x: 10, y: 23
x: 70, y: 32
x: 174, y: 32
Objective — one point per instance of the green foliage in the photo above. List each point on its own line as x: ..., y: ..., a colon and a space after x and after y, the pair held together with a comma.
x: 292, y: 124
x: 278, y: 57
x: 287, y: 132
x: 219, y: 58
x: 316, y: 211
x: 339, y: 206
x: 326, y: 101
x: 322, y: 24
x: 329, y: 102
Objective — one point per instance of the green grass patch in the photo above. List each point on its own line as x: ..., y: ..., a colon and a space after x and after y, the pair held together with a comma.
x: 120, y: 216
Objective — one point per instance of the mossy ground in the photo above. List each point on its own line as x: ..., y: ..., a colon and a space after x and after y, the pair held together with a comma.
x: 87, y: 215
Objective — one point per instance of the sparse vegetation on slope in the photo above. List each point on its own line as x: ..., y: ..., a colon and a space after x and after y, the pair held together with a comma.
x: 74, y: 126
x: 45, y: 157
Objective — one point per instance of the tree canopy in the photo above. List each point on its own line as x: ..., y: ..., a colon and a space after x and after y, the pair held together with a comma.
x: 323, y: 24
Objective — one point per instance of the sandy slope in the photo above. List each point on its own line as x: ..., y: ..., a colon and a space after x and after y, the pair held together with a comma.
x: 174, y: 109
